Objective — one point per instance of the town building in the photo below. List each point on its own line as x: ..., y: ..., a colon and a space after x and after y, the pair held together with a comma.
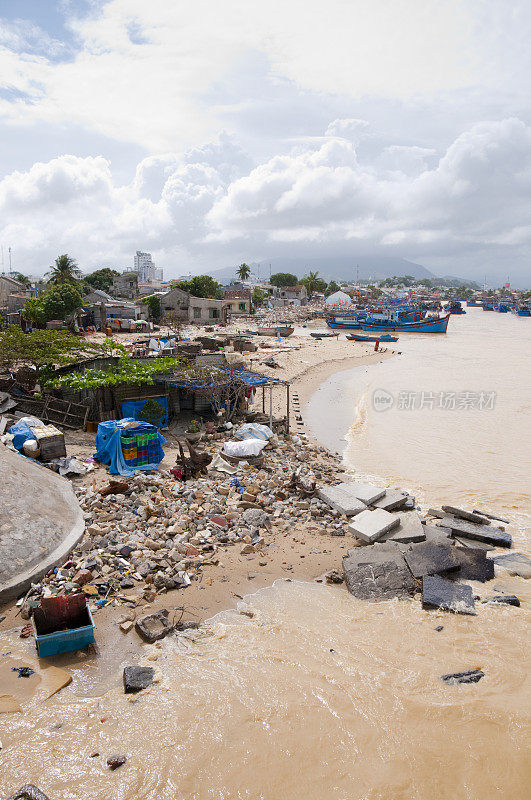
x: 9, y: 285
x: 237, y: 302
x: 125, y: 285
x: 290, y: 296
x: 145, y: 268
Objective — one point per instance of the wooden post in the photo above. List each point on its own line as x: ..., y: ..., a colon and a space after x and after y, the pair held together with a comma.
x: 287, y: 409
x: 271, y: 406
x: 263, y: 399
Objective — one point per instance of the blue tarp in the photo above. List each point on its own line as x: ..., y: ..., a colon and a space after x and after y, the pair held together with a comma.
x: 109, y: 446
x: 21, y: 432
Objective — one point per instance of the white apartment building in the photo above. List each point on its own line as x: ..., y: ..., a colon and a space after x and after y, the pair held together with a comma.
x: 145, y: 268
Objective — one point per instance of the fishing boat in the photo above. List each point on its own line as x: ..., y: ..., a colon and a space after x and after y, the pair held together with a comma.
x: 349, y: 322
x: 488, y: 305
x: 278, y: 330
x: 474, y: 303
x: 427, y: 325
x: 502, y: 308
x: 454, y: 307
x: 322, y: 335
x: 385, y: 337
x: 522, y: 311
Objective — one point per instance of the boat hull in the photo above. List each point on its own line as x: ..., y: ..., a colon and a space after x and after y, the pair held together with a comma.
x: 278, y: 331
x: 383, y: 338
x: 424, y: 326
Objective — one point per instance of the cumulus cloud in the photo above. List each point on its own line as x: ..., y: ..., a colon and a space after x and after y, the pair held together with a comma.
x: 210, y: 205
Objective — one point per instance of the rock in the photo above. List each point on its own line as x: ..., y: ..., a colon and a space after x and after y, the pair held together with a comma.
x: 116, y: 761
x: 365, y: 492
x: 483, y: 533
x: 126, y: 583
x: 137, y: 678
x: 475, y: 566
x: 439, y: 628
x: 515, y: 564
x: 431, y: 559
x: 126, y: 626
x: 472, y: 543
x: 247, y: 550
x: 378, y: 581
x: 491, y: 516
x: 441, y: 593
x: 334, y: 576
x: 342, y: 498
x: 433, y: 512
x: 255, y: 518
x: 371, y: 525
x: 29, y: 792
x: 437, y: 535
x: 503, y: 599
x: 154, y: 626
x: 469, y: 676
x: 468, y: 515
x: 82, y: 577
x: 392, y: 500
x: 410, y: 529
x: 377, y: 553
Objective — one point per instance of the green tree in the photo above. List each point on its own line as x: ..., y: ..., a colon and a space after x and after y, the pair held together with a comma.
x: 18, y: 276
x: 202, y: 286
x: 56, y: 303
x: 243, y: 272
x: 155, y: 308
x: 283, y: 279
x: 313, y: 283
x: 64, y: 271
x: 258, y: 297
x: 47, y: 348
x: 101, y: 278
x: 331, y: 288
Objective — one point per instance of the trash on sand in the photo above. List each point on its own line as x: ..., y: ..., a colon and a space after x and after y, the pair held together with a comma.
x: 62, y: 624
x: 469, y: 676
x: 23, y: 672
x: 247, y: 447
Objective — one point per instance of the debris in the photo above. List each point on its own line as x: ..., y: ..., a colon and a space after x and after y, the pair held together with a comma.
x: 431, y: 559
x: 441, y: 593
x: 115, y: 487
x: 116, y: 761
x: 137, y: 678
x: 392, y: 500
x: 469, y: 676
x: 503, y: 599
x: 342, y: 498
x: 23, y: 672
x: 154, y: 626
x: 491, y: 516
x: 365, y: 492
x: 410, y: 529
x: 371, y: 525
x: 475, y: 566
x: 515, y: 564
x: 29, y: 792
x: 62, y: 624
x: 334, y: 576
x: 483, y: 533
x: 468, y: 515
x: 378, y: 581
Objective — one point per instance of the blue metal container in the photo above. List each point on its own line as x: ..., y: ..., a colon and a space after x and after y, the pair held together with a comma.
x: 51, y: 644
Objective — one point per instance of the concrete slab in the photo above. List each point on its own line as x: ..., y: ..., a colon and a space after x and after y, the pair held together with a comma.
x: 40, y: 523
x: 365, y: 492
x: 374, y: 554
x: 431, y: 559
x: 378, y: 581
x: 371, y: 525
x: 410, y: 529
x: 441, y: 593
x: 391, y: 501
x: 515, y: 564
x: 475, y: 566
x: 436, y: 534
x: 468, y: 515
x: 483, y: 533
x: 473, y: 543
x: 342, y: 498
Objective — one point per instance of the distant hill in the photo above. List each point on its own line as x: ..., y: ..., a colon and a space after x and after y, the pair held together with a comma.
x: 339, y: 268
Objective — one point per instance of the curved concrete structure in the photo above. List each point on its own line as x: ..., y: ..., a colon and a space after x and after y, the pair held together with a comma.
x: 40, y: 522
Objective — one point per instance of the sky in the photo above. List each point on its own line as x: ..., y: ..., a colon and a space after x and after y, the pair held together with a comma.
x: 213, y: 133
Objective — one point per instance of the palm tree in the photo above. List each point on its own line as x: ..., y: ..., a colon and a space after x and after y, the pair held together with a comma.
x: 64, y: 271
x: 243, y: 272
x: 312, y: 283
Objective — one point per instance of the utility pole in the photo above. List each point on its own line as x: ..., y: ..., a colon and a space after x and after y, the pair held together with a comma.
x: 10, y: 270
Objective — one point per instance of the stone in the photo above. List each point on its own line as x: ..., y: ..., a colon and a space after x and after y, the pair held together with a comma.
x: 475, y: 566
x: 438, y: 592
x: 365, y: 492
x: 125, y: 627
x: 371, y: 525
x: 433, y: 512
x: 469, y: 676
x: 247, y: 550
x: 29, y: 792
x: 116, y: 761
x: 126, y: 583
x: 483, y: 533
x: 410, y: 529
x: 342, y: 498
x: 491, y: 516
x: 154, y: 626
x: 391, y: 501
x: 515, y: 564
x: 503, y: 599
x: 431, y: 559
x: 377, y: 553
x: 472, y: 543
x: 378, y: 581
x: 334, y: 576
x: 82, y: 577
x: 137, y: 678
x: 436, y: 534
x: 255, y: 517
x: 468, y: 515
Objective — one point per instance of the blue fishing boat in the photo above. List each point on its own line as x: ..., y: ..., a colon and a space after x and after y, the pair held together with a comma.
x: 501, y: 308
x: 523, y: 311
x: 356, y: 337
x: 474, y: 303
x: 345, y: 321
x: 454, y: 307
x: 488, y: 305
x: 428, y: 325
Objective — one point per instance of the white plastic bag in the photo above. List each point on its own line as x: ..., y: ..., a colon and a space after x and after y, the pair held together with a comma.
x: 252, y: 430
x: 249, y: 447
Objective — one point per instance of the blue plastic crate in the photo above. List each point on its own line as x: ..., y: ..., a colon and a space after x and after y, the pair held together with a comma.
x: 51, y: 644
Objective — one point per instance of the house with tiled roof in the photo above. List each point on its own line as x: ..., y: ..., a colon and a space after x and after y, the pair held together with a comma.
x: 237, y: 302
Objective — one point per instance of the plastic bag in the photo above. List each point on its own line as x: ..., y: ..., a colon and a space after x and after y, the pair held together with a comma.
x: 252, y: 430
x: 249, y: 447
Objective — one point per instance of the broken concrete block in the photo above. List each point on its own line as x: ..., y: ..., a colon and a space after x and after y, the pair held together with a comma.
x: 427, y: 558
x: 370, y: 525
x: 441, y: 593
x: 483, y: 533
x: 391, y: 501
x: 469, y: 676
x: 503, y: 599
x: 436, y: 534
x: 365, y: 492
x: 342, y: 498
x: 472, y: 543
x: 515, y: 564
x: 137, y: 678
x: 468, y: 515
x: 433, y: 512
x: 475, y: 566
x: 378, y: 581
x: 410, y: 529
x: 491, y: 516
x: 154, y: 626
x: 377, y: 553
